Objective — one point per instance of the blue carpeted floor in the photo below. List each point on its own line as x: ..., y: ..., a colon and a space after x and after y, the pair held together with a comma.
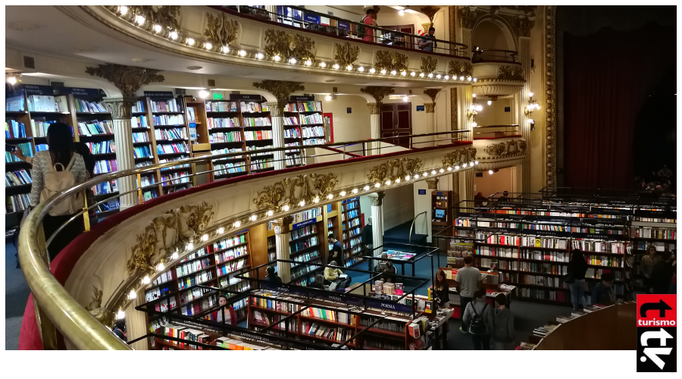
x: 16, y: 295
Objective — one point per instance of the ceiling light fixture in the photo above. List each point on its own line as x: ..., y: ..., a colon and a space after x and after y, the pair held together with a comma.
x: 292, y: 60
x: 276, y: 58
x: 242, y: 53
x: 173, y: 35
x: 208, y: 45
x: 336, y: 66
x: 157, y: 28
x: 316, y: 200
x: 260, y: 56
x: 361, y: 69
x: 323, y: 65
x: 328, y: 97
x: 190, y: 41
x: 203, y: 94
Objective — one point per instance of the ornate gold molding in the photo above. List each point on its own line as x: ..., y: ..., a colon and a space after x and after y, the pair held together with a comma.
x: 550, y: 94
x: 394, y: 169
x: 459, y: 156
x: 221, y: 31
x: 457, y: 68
x: 166, y: 16
x: 128, y: 79
x: 429, y: 107
x: 280, y: 89
x: 291, y: 191
x: 454, y: 120
x: 390, y: 60
x: 429, y: 64
x: 378, y: 93
x: 432, y: 183
x: 346, y: 54
x: 506, y: 149
x: 510, y: 73
x: 430, y: 12
x: 289, y: 45
x: 166, y: 234
x: 469, y: 16
x: 521, y: 24
x: 121, y: 108
x: 432, y: 93
x: 374, y: 108
x: 102, y: 314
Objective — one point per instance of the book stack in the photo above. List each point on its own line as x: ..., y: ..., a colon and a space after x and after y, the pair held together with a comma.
x: 15, y: 129
x: 225, y: 137
x: 104, y: 147
x: 221, y: 106
x: 313, y: 119
x: 173, y: 148
x: 170, y: 134
x: 168, y: 106
x: 40, y: 103
x: 141, y: 137
x: 165, y: 119
x: 258, y: 135
x: 222, y: 122
x: 139, y: 122
x: 253, y: 107
x: 17, y: 203
x: 17, y: 178
x: 92, y: 128
x: 105, y: 188
x: 84, y: 106
x: 40, y: 126
x: 105, y: 166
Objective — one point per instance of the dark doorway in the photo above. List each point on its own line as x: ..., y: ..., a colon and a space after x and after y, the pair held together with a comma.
x: 396, y: 121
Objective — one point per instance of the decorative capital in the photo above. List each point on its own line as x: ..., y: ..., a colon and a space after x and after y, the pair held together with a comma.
x: 468, y: 16
x: 394, y: 169
x: 283, y: 225
x: 429, y: 64
x: 221, y: 31
x: 275, y: 109
x: 429, y: 107
x: 510, y: 73
x: 280, y: 89
x: 377, y: 198
x: 432, y: 183
x: 289, y: 45
x: 457, y: 68
x: 374, y: 108
x: 390, y: 61
x: 128, y: 79
x: 378, y: 93
x: 346, y: 54
x: 432, y: 93
x: 430, y: 12
x: 293, y: 190
x: 121, y: 108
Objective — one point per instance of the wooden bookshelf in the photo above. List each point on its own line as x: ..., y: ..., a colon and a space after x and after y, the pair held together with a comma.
x: 303, y: 126
x: 351, y: 230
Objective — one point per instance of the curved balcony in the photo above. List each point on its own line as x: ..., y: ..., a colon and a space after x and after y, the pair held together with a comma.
x: 130, y: 247
x: 496, y: 132
x: 498, y: 71
x: 503, y: 151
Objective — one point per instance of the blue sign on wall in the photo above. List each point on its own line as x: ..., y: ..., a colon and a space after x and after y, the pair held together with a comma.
x: 86, y: 92
x: 420, y: 108
x: 343, y: 25
x: 422, y: 192
x: 312, y: 18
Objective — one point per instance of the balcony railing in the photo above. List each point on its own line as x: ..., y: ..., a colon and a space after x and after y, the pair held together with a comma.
x: 56, y: 309
x: 347, y: 29
x: 496, y: 131
x: 494, y: 55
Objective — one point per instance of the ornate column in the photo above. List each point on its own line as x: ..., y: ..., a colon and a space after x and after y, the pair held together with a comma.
x: 377, y: 201
x: 281, y: 90
x: 431, y: 115
x: 129, y: 80
x: 466, y: 185
x: 282, y: 239
x: 524, y: 55
x: 136, y: 323
x: 276, y: 113
x: 378, y: 93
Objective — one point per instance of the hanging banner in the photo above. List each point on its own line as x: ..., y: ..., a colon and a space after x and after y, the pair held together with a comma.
x: 85, y: 92
x: 159, y: 94
x: 32, y: 89
x: 245, y: 97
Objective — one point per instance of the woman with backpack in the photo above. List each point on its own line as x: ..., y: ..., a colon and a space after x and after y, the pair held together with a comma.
x: 501, y: 324
x: 477, y: 316
x: 54, y: 170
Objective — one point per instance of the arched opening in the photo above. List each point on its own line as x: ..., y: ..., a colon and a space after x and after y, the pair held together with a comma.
x: 496, y: 41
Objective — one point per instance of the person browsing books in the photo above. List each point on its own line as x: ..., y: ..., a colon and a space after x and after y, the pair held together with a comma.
x: 335, y: 276
x: 318, y: 282
x: 577, y: 268
x: 501, y: 324
x: 477, y: 316
x: 337, y: 251
x: 225, y: 314
x: 647, y: 264
x: 272, y: 275
x: 387, y: 268
x: 55, y: 170
x: 603, y: 292
x: 469, y: 279
x: 441, y: 290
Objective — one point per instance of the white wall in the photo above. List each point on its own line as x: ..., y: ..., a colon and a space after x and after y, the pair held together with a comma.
x: 349, y: 126
x: 398, y: 206
x: 422, y: 203
x: 494, y: 114
x: 503, y: 180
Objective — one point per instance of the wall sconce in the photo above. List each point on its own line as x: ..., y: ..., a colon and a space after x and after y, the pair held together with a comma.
x: 473, y: 110
x: 532, y: 106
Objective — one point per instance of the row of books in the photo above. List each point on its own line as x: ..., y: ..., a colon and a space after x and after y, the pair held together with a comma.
x: 227, y: 151
x: 262, y: 164
x: 551, y: 256
x: 169, y: 120
x: 496, y: 251
x: 42, y: 103
x: 225, y: 137
x: 228, y: 168
x: 352, y: 243
x: 293, y: 160
x: 141, y: 137
x: 232, y: 266
x: 307, y: 215
x: 656, y: 233
x: 105, y: 188
x: 299, y: 271
x: 194, y: 280
x: 304, y: 244
x: 15, y: 129
x: 312, y: 119
x: 222, y: 122
x: 139, y: 122
x: 257, y: 135
x: 105, y: 166
x: 231, y: 254
x: 326, y: 332
x: 543, y: 268
x: 539, y: 294
x: 39, y: 126
x: 192, y: 267
x: 17, y: 178
x: 253, y: 148
x: 549, y: 227
x: 93, y: 128
x: 156, y: 292
x: 307, y: 257
x: 165, y: 277
x: 175, y: 178
x: 385, y: 324
x: 314, y: 141
x: 256, y: 121
x: 304, y: 231
x: 17, y: 203
x: 41, y: 147
x: 314, y: 131
x: 310, y: 106
x: 539, y: 280
x: 103, y: 147
x: 85, y: 106
x: 292, y: 133
x: 290, y: 121
x: 192, y: 294
x: 165, y: 106
x: 253, y: 107
x: 172, y: 148
x: 221, y: 106
x: 230, y: 242
x: 237, y: 284
x: 198, y: 307
x: 169, y: 134
x: 197, y: 254
x: 138, y: 107
x: 15, y: 104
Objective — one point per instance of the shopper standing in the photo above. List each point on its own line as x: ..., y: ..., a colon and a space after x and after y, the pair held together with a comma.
x: 603, y: 292
x: 387, y: 268
x: 577, y: 268
x: 468, y: 278
x: 477, y: 316
x: 647, y: 264
x: 336, y: 254
x: 441, y: 290
x: 366, y: 31
x: 222, y: 315
x: 501, y: 325
x: 272, y: 275
x: 60, y: 157
x: 662, y: 274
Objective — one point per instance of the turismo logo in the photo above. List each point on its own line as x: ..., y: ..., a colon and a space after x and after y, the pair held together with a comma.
x: 656, y: 333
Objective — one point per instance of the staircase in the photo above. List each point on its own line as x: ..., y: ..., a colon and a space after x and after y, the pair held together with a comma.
x: 401, y: 234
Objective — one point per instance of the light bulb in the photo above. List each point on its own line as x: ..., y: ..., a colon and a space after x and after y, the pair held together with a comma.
x: 361, y: 69
x: 270, y: 213
x: 316, y: 200
x: 208, y: 45
x: 204, y: 237
x: 140, y: 20
x: 490, y: 172
x: 388, y: 182
x: 190, y: 246
x: 473, y: 95
x: 433, y: 172
x: 464, y: 165
x: 12, y: 80
x: 401, y: 12
x: 479, y: 107
x: 203, y: 94
x: 276, y: 58
x: 372, y: 70
x: 132, y: 295
x: 330, y: 196
x: 471, y: 164
x: 242, y: 53
x: 225, y: 49
x: 475, y: 162
x: 349, y: 67
x: 461, y: 78
x: 221, y: 230
x: 450, y: 168
x: 383, y: 71
x: 537, y: 106
x: 456, y: 167
x: 403, y: 73
x: 393, y: 72
x: 308, y: 62
x: 328, y: 97
x: 323, y: 65
x: 343, y: 193
x: 530, y: 94
x: 441, y: 170
x: 425, y: 173
x: 285, y: 208
x: 120, y: 315
x: 173, y: 35
x: 447, y: 77
x: 406, y: 99
x: 292, y: 60
x: 157, y: 28
x: 421, y: 75
x: 474, y: 124
x: 407, y: 177
x: 336, y: 66
x: 377, y: 185
x: 413, y: 74
x: 397, y: 181
x: 438, y: 76
x: 468, y: 78
x: 301, y: 203
x: 490, y: 102
x: 237, y: 224
x: 160, y: 267
x: 475, y: 80
x: 174, y: 256
x: 416, y: 176
x: 123, y: 10
x: 260, y: 56
x: 190, y: 41
x: 366, y: 188
x: 355, y: 190
x: 146, y: 280
x: 253, y: 217
x: 430, y: 75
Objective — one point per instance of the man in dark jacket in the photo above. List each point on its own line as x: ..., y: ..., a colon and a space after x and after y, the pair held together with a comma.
x: 662, y: 274
x: 272, y: 276
x: 501, y: 324
x: 603, y: 292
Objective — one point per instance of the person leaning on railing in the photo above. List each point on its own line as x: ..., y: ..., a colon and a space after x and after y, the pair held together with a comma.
x: 60, y: 156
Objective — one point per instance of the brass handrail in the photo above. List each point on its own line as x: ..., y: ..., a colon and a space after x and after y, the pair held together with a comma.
x: 55, y: 307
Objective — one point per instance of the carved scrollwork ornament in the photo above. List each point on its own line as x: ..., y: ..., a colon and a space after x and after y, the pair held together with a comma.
x: 128, y: 79
x: 394, y: 169
x: 432, y: 183
x: 120, y: 108
x: 104, y: 316
x: 221, y: 31
x: 459, y: 156
x: 429, y: 64
x: 346, y: 54
x: 457, y: 68
x: 293, y: 190
x: 288, y: 45
x: 378, y: 93
x: 432, y: 93
x: 506, y: 149
x: 390, y: 61
x: 468, y: 16
x: 510, y: 73
x: 280, y: 89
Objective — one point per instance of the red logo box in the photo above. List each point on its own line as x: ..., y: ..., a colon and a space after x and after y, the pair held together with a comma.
x: 657, y: 311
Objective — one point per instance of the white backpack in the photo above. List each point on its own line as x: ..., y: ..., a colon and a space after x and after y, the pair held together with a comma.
x: 57, y: 181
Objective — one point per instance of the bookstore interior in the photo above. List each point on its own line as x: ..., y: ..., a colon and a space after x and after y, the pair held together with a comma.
x: 319, y: 275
